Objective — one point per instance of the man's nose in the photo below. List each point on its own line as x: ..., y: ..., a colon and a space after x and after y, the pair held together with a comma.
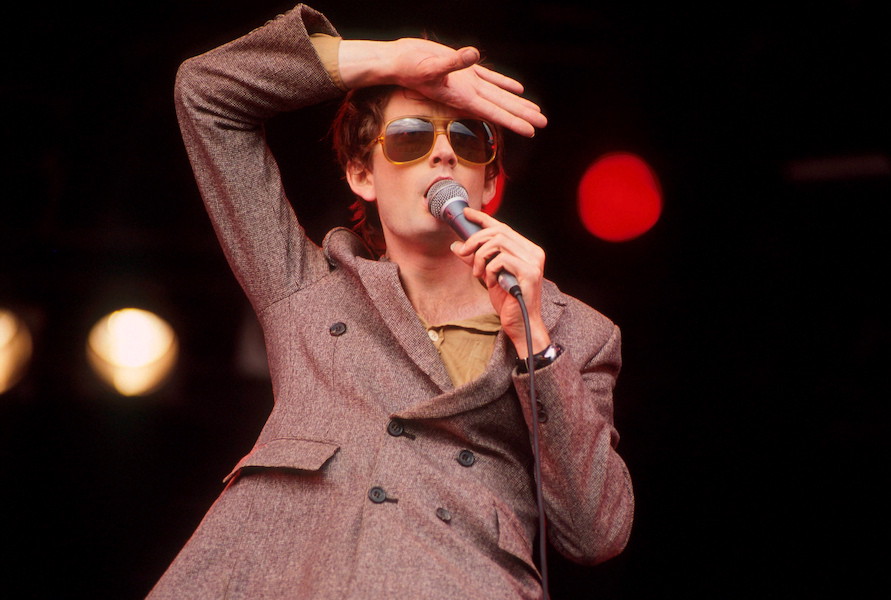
x: 442, y: 150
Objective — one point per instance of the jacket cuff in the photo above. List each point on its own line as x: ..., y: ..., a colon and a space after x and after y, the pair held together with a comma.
x: 328, y: 49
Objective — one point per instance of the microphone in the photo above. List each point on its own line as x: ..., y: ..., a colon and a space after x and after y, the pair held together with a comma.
x: 446, y: 200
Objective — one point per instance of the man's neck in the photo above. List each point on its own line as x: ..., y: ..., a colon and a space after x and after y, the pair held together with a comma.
x: 440, y: 286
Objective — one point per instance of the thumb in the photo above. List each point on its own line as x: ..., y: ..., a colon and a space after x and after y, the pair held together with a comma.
x: 460, y: 250
x: 468, y: 56
x: 435, y: 67
x: 457, y: 60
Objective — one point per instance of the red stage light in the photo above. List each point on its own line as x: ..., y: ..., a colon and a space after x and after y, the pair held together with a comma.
x: 619, y: 197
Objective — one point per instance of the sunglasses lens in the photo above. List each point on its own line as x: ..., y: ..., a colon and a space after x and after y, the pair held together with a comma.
x: 472, y: 140
x: 408, y: 139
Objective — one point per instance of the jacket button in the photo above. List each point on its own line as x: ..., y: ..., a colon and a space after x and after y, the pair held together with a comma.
x: 542, y: 414
x: 395, y: 428
x: 466, y: 458
x: 337, y: 329
x: 377, y: 495
x: 443, y: 515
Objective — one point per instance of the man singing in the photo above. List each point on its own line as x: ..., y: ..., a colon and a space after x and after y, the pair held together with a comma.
x: 397, y: 461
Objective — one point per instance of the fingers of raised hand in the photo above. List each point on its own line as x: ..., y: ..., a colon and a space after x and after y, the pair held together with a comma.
x: 503, y: 106
x: 495, y: 78
x: 505, y: 92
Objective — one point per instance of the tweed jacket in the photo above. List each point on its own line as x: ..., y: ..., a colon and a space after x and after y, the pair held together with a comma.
x: 374, y: 476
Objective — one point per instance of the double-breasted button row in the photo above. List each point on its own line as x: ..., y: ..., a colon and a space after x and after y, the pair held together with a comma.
x: 378, y: 495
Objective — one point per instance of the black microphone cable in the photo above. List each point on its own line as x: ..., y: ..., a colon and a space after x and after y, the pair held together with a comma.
x: 536, y: 453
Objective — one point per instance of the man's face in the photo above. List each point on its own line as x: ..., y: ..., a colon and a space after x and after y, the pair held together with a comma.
x: 400, y: 190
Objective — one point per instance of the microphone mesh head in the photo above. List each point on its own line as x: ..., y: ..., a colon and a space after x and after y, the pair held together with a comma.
x: 441, y: 192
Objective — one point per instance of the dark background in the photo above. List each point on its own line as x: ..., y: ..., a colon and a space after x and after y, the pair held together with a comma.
x: 753, y: 401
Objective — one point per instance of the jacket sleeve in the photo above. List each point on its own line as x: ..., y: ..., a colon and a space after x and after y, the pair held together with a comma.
x: 589, y: 502
x: 223, y: 98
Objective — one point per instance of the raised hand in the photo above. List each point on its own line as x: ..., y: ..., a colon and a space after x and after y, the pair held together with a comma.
x: 442, y: 74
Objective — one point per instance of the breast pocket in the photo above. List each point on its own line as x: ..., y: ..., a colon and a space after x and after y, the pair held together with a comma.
x: 292, y: 454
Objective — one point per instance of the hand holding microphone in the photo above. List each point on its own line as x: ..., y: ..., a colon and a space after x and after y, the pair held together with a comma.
x: 446, y: 200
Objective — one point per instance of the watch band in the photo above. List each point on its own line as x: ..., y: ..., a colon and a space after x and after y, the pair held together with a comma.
x: 541, y: 359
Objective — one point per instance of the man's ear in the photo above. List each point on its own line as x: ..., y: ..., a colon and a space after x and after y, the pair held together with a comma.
x: 489, y: 189
x: 361, y: 180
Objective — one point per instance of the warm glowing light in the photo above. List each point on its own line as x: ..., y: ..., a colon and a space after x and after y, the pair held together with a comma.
x: 619, y: 197
x: 15, y: 349
x: 132, y: 350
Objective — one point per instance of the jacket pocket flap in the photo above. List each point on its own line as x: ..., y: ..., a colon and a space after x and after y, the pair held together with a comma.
x: 287, y: 453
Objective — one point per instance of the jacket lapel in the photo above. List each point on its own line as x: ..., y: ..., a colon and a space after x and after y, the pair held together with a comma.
x: 381, y: 281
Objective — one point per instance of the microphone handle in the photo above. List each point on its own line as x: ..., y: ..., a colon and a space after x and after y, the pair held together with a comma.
x: 463, y: 226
